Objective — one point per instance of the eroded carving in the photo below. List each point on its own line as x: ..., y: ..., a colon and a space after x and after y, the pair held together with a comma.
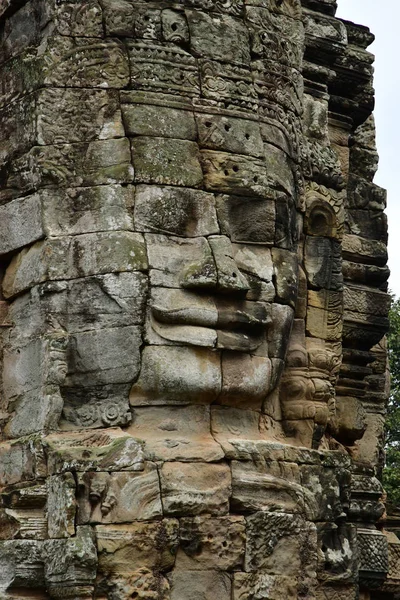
x: 193, y: 271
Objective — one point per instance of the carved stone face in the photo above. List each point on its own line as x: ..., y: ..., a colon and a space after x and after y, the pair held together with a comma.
x: 219, y: 265
x: 217, y: 199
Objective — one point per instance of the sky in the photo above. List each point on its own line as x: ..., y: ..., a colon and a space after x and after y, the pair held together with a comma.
x: 382, y: 17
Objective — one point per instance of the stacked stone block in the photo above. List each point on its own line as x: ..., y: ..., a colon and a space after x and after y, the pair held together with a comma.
x: 193, y: 269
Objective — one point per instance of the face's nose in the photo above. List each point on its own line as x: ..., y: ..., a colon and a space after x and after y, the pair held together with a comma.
x: 221, y: 273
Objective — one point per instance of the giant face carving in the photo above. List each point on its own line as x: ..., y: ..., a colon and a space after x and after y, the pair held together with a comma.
x: 213, y: 294
x: 173, y: 283
x: 217, y: 200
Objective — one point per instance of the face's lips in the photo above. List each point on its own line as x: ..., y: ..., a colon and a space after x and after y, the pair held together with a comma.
x: 252, y: 315
x: 228, y: 327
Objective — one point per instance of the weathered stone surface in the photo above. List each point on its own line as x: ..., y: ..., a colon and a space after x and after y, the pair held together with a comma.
x: 22, y: 564
x: 168, y: 436
x: 247, y: 219
x: 193, y: 301
x: 61, y: 505
x: 85, y: 210
x: 183, y: 212
x: 277, y: 587
x: 22, y: 222
x: 211, y: 543
x: 189, y: 492
x: 229, y: 134
x: 166, y: 161
x: 123, y: 549
x: 94, y: 451
x: 200, y: 584
x: 177, y: 375
x: 246, y: 380
x: 71, y: 115
x: 99, y: 162
x: 159, y: 121
x: 178, y: 262
x: 280, y: 544
x: 218, y: 38
x: 69, y: 258
x: 71, y: 562
x: 119, y: 497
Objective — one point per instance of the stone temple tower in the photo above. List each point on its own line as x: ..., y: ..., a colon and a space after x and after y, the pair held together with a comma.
x: 193, y: 304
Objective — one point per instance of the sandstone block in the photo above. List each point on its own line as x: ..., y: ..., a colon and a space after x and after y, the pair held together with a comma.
x: 337, y: 550
x: 123, y: 549
x: 21, y: 460
x: 77, y: 115
x: 74, y: 20
x: 71, y: 562
x: 177, y: 211
x: 286, y: 271
x: 166, y: 161
x: 228, y: 83
x: 119, y: 497
x: 159, y: 121
x: 176, y: 433
x: 105, y: 356
x: 208, y: 543
x: 323, y: 263
x: 73, y: 211
x: 90, y: 404
x: 365, y: 251
x: 61, y: 505
x: 218, y: 38
x: 200, y: 585
x: 93, y: 450
x: 21, y: 223
x: 143, y: 582
x: 21, y: 564
x: 177, y: 375
x: 235, y: 428
x: 279, y: 330
x: 70, y: 258
x: 250, y: 220
x: 256, y: 488
x: 246, y: 380
x: 162, y: 68
x: 105, y: 301
x: 85, y: 62
x: 176, y: 262
x: 263, y: 585
x: 99, y: 162
x: 280, y: 544
x: 186, y: 491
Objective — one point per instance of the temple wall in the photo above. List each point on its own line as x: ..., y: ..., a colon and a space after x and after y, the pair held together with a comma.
x: 193, y: 304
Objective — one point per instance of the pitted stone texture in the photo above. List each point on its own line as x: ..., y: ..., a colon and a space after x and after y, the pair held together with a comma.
x: 211, y: 543
x: 280, y: 544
